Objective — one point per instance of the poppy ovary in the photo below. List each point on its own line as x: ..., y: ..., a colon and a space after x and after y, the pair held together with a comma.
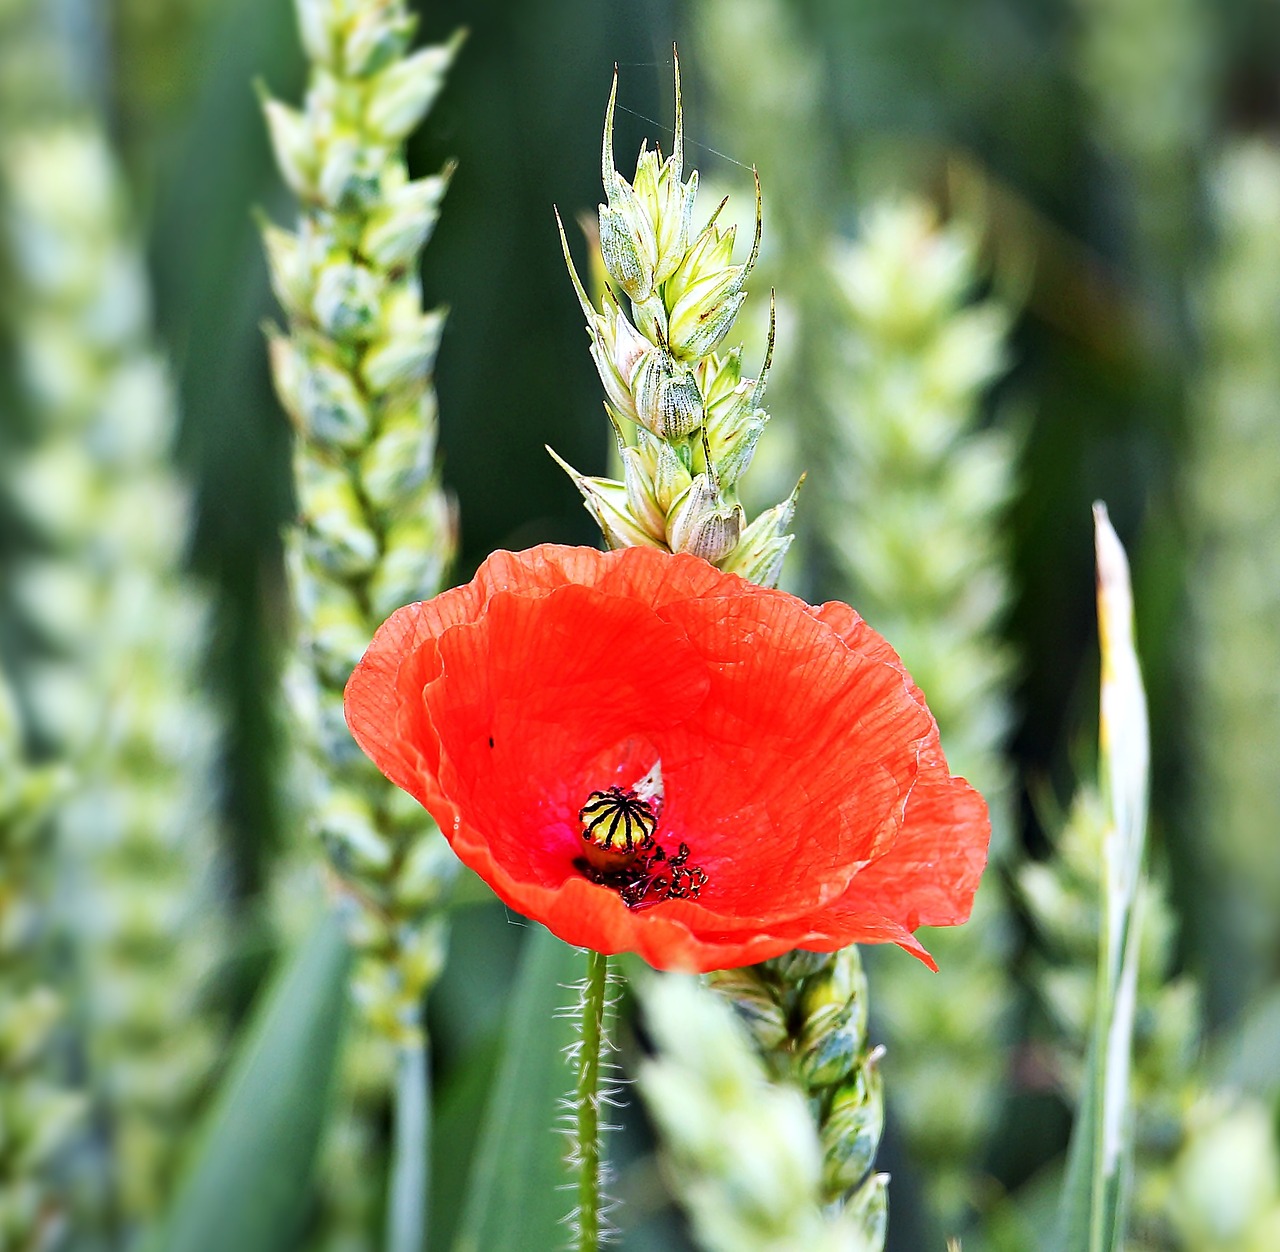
x: 617, y: 827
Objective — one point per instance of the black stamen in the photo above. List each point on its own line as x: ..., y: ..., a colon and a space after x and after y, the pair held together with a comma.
x: 627, y: 824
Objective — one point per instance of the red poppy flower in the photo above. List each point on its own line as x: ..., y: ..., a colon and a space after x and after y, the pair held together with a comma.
x: 646, y: 754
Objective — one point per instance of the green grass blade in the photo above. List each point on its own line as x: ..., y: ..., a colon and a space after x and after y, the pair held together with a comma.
x: 1094, y: 1195
x: 513, y: 1201
x: 247, y: 1184
x: 408, y: 1194
x: 456, y: 1126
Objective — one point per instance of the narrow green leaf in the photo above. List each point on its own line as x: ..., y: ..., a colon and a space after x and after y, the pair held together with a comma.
x: 513, y: 1200
x: 246, y: 1185
x: 1095, y: 1192
x: 408, y: 1195
x: 458, y: 1122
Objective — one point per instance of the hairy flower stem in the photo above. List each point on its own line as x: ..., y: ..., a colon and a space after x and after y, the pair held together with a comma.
x: 687, y: 423
x: 408, y: 1202
x: 586, y: 1153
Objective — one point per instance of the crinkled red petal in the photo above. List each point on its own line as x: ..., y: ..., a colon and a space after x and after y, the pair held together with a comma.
x: 800, y: 762
x: 531, y: 694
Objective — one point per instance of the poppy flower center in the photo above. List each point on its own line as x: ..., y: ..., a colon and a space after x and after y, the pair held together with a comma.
x: 621, y: 851
x: 617, y: 825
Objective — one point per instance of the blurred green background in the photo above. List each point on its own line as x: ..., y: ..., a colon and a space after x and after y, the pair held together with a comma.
x: 1086, y: 135
x: 1101, y: 355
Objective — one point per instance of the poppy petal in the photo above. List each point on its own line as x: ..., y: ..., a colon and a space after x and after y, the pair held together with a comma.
x: 803, y: 753
x: 786, y: 751
x: 383, y: 703
x: 534, y: 692
x: 930, y: 875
